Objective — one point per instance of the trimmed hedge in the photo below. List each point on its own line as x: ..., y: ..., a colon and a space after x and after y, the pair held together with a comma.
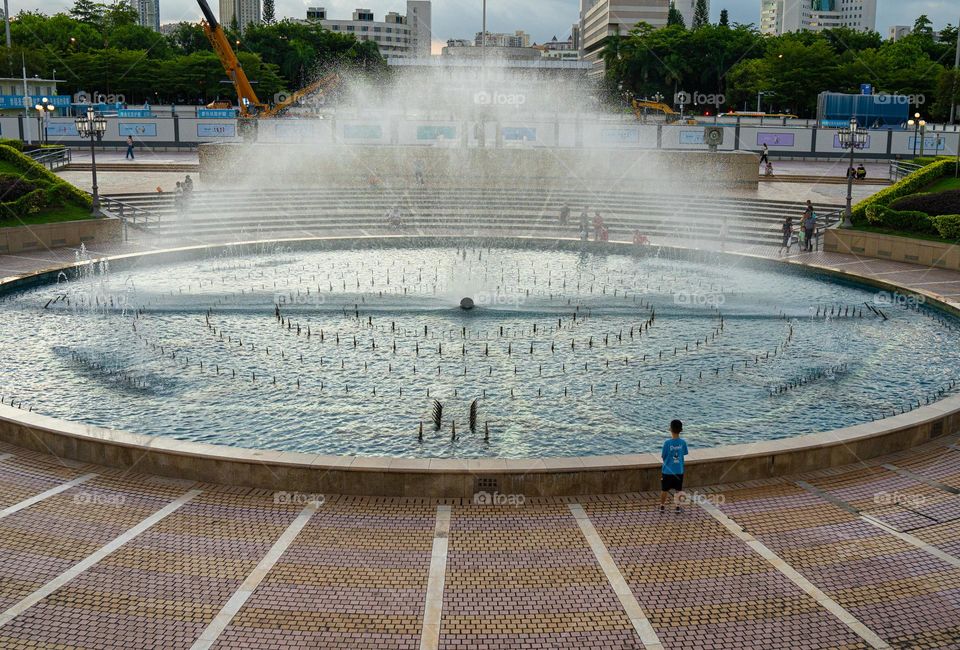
x: 932, y: 203
x: 905, y: 220
x: 948, y: 226
x: 37, y: 173
x: 10, y: 142
x: 908, y: 185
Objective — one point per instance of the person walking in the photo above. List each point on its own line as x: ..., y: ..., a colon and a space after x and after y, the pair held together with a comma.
x: 564, y: 214
x: 672, y: 453
x: 419, y: 172
x: 129, y: 155
x: 787, y: 229
x: 584, y: 225
x: 764, y: 155
x: 188, y: 184
x: 598, y: 226
x: 809, y: 227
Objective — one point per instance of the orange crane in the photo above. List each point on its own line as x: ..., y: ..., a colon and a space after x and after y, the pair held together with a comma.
x: 250, y: 104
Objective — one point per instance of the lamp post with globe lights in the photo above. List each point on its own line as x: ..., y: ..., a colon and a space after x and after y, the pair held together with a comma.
x: 92, y: 126
x: 851, y: 137
x: 44, y: 109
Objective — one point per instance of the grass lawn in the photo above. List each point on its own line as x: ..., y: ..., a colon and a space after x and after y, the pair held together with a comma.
x: 944, y: 184
x: 900, y: 233
x: 50, y: 215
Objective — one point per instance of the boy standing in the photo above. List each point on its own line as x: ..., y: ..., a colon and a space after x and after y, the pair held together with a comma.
x: 672, y: 453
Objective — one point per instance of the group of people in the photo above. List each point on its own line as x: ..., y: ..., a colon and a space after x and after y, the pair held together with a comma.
x: 804, y: 234
x: 858, y: 174
x: 183, y: 193
x: 601, y: 232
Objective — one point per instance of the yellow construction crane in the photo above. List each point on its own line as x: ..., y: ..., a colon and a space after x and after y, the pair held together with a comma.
x: 250, y: 104
x: 639, y: 105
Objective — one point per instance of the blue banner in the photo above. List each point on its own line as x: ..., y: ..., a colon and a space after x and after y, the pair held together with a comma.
x: 520, y: 133
x: 217, y: 130
x: 129, y: 112
x: 362, y: 131
x: 216, y: 113
x: 691, y: 137
x: 930, y: 143
x: 436, y: 132
x: 64, y: 130
x: 16, y: 101
x: 622, y: 135
x: 145, y: 130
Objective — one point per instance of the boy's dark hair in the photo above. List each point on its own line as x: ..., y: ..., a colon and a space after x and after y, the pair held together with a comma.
x: 676, y: 426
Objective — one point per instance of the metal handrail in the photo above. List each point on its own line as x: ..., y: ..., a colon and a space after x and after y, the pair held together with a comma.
x: 901, y: 168
x: 127, y: 213
x: 52, y: 159
x: 830, y: 220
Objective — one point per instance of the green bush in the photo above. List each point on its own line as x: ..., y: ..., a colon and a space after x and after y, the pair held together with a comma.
x: 905, y: 220
x: 908, y: 185
x: 26, y: 205
x: 932, y: 203
x: 948, y: 225
x: 10, y: 142
x: 39, y: 174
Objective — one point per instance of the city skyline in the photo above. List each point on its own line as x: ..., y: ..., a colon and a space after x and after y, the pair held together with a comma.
x: 543, y: 19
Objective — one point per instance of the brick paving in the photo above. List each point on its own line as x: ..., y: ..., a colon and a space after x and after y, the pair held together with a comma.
x: 517, y: 576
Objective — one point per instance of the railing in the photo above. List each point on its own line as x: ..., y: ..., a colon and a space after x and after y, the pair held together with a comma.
x: 901, y: 168
x: 52, y: 159
x: 130, y: 215
x: 826, y: 221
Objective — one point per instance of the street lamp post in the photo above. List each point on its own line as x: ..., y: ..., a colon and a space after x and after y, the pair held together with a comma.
x: 44, y: 109
x: 92, y: 126
x: 915, y: 123
x: 853, y: 138
x: 923, y: 135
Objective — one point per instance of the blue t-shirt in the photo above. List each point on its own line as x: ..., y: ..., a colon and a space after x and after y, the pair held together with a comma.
x: 673, y: 452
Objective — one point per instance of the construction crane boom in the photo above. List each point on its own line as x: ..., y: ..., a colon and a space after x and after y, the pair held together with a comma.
x: 250, y: 104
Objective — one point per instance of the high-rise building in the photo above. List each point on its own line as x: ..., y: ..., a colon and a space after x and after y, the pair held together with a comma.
x: 419, y: 19
x: 148, y: 13
x: 601, y: 19
x: 244, y: 12
x: 688, y: 9
x: 784, y: 16
x: 518, y: 39
x: 395, y: 35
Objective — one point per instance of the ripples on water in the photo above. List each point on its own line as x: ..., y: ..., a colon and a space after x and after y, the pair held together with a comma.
x: 123, y: 349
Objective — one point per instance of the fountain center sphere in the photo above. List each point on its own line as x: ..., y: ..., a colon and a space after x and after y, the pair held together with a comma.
x: 466, y: 304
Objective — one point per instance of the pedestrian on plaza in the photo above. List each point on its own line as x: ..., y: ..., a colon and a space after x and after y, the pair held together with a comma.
x: 188, y: 185
x: 672, y: 453
x: 764, y: 159
x: 861, y: 172
x: 584, y: 225
x: 419, y: 171
x: 809, y: 225
x: 723, y: 233
x: 564, y: 214
x: 598, y: 226
x: 787, y: 229
x: 179, y: 199
x: 129, y: 155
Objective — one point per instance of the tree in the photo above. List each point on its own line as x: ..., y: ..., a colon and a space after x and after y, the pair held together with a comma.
x: 674, y: 17
x: 724, y: 18
x: 922, y: 26
x: 88, y: 11
x: 701, y: 16
x: 269, y: 14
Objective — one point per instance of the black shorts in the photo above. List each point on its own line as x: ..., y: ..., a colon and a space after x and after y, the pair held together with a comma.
x: 671, y: 482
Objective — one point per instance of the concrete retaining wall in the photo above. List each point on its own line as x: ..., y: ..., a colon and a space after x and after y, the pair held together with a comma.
x: 890, y: 247
x: 56, y: 235
x: 296, y: 165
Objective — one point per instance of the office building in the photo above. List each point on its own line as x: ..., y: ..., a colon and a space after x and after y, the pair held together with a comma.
x: 517, y: 39
x: 241, y: 12
x: 148, y: 13
x: 785, y: 16
x: 395, y: 35
x: 601, y: 19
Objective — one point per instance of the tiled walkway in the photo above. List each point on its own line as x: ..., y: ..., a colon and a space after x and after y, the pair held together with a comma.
x: 127, y: 561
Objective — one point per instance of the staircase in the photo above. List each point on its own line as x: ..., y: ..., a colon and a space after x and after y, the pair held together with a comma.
x: 220, y: 216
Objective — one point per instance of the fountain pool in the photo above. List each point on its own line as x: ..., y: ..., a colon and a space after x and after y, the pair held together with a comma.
x: 564, y: 353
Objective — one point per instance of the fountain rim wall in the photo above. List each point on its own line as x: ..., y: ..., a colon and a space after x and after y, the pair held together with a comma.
x: 452, y: 478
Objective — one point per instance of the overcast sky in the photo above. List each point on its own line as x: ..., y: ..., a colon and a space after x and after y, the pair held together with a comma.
x: 541, y: 18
